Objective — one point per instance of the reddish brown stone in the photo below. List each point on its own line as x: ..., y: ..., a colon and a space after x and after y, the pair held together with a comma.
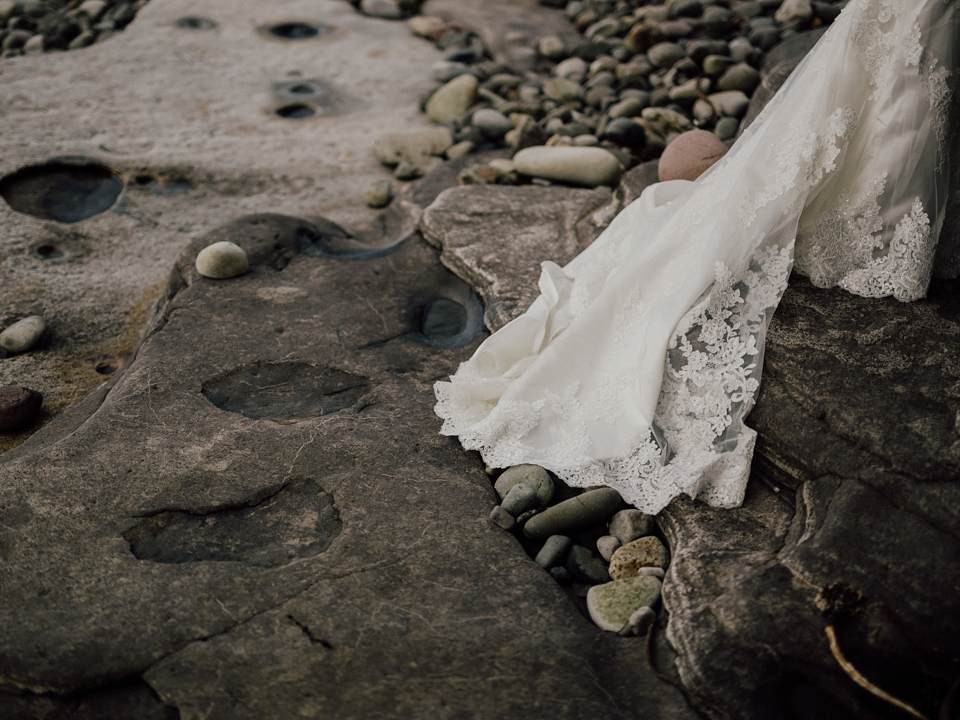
x: 18, y: 407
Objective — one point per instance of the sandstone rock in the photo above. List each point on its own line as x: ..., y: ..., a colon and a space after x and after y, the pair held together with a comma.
x: 581, y: 166
x: 643, y: 552
x: 23, y: 334
x: 554, y: 551
x: 18, y: 407
x: 449, y: 102
x: 222, y: 260
x: 533, y: 476
x: 577, y: 512
x: 613, y: 604
x: 690, y: 155
x: 390, y: 149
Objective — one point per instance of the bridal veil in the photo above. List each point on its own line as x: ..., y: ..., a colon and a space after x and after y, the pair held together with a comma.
x: 636, y: 366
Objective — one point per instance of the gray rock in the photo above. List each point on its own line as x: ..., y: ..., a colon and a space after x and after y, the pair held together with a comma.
x: 613, y: 604
x: 791, y: 11
x: 23, y: 334
x: 740, y: 49
x: 703, y: 112
x: 577, y: 512
x: 491, y: 123
x: 726, y: 128
x: 740, y: 77
x: 628, y: 107
x: 533, y: 476
x: 16, y: 39
x: 426, y: 26
x: 561, y: 89
x: 551, y: 47
x: 554, y: 551
x: 581, y: 165
x: 732, y: 103
x: 477, y: 229
x: 630, y: 524
x: 417, y: 166
x: 82, y: 40
x: 7, y: 8
x: 522, y: 497
x: 587, y: 566
x: 626, y: 132
x: 500, y: 517
x: 378, y: 193
x: 607, y: 546
x: 19, y: 407
x: 93, y: 9
x: 573, y: 68
x: 665, y: 54
x: 387, y: 9
x: 446, y: 70
x: 643, y: 552
x: 222, y: 260
x: 448, y: 103
x: 652, y: 571
x: 639, y: 622
x: 527, y: 133
x: 34, y: 45
x: 715, y: 65
x: 391, y: 148
x: 459, y: 150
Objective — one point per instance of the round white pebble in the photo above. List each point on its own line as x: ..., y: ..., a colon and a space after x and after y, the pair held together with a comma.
x: 222, y: 260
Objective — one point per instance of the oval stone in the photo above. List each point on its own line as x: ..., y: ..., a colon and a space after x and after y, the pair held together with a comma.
x: 531, y: 475
x: 577, y: 512
x: 589, y: 166
x: 689, y: 155
x: 612, y: 604
x: 645, y: 552
x: 449, y: 102
x: 23, y: 334
x: 554, y: 551
x: 222, y: 260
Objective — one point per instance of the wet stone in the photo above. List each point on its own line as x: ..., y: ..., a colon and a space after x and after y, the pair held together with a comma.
x: 298, y: 521
x: 61, y: 190
x: 612, y: 604
x: 285, y: 390
x: 22, y: 335
x: 18, y: 407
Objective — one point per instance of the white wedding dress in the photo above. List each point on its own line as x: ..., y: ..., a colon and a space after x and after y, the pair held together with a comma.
x: 637, y: 365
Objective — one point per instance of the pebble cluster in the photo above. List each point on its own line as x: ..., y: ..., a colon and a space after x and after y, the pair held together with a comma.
x: 642, y: 74
x: 35, y: 26
x: 607, y: 554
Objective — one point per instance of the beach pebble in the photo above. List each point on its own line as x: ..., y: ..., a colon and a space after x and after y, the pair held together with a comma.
x: 642, y: 36
x: 630, y: 524
x: 93, y: 9
x: 560, y: 574
x: 18, y: 407
x: 740, y: 77
x: 501, y: 518
x: 572, y: 68
x: 551, y: 47
x: 628, y: 107
x: 522, y: 497
x: 426, y: 26
x: 449, y: 102
x: 689, y: 155
x: 624, y: 131
x: 639, y: 622
x: 791, y: 11
x: 653, y: 571
x: 445, y: 70
x: 222, y: 260
x: 391, y: 148
x: 732, y: 103
x: 665, y: 54
x: 416, y: 166
x: 378, y: 193
x: 643, y: 552
x: 562, y: 89
x: 726, y: 128
x: 23, y: 334
x: 554, y: 551
x: 587, y: 566
x: 459, y: 150
x: 34, y: 45
x: 491, y: 123
x: 612, y: 604
x: 503, y: 167
x: 607, y: 546
x: 577, y: 512
x: 532, y: 476
x: 589, y: 166
x: 386, y: 9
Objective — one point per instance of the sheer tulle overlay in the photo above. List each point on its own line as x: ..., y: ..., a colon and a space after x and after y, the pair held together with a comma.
x: 636, y: 366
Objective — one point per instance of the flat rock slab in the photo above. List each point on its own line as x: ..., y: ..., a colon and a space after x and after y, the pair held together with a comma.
x: 187, y: 543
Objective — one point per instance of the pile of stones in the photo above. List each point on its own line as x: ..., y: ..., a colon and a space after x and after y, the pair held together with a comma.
x: 35, y: 26
x: 587, y: 541
x: 640, y: 75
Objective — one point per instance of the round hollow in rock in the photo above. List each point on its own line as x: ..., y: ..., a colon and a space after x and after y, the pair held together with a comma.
x: 67, y: 190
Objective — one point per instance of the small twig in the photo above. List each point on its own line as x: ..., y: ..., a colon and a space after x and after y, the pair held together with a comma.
x: 860, y: 680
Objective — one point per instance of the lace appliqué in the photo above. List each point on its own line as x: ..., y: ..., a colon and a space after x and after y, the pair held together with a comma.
x: 933, y: 78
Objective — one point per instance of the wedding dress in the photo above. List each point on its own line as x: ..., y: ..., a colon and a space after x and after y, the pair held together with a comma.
x: 636, y: 366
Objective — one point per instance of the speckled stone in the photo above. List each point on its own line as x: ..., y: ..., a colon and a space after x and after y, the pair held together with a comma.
x: 222, y: 260
x: 612, y: 604
x: 646, y: 551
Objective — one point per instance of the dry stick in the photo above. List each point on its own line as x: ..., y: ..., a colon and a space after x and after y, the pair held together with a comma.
x: 860, y: 680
